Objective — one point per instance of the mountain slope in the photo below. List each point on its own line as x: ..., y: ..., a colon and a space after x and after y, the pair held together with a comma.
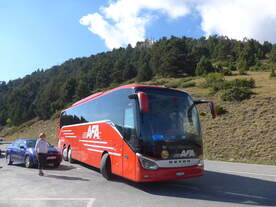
x: 247, y: 132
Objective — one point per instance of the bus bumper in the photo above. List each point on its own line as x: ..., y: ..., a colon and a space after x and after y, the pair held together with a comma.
x: 163, y: 174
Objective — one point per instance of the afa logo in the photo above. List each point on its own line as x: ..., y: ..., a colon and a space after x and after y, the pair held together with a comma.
x: 93, y: 132
x: 188, y: 153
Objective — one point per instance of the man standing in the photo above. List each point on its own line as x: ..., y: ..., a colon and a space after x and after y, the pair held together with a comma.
x: 41, y: 149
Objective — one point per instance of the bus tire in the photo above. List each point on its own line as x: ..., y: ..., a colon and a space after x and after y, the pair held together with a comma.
x: 64, y: 154
x: 106, y: 166
x: 70, y: 159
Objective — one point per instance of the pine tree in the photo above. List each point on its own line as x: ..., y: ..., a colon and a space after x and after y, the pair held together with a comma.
x: 144, y: 73
x: 204, y: 67
x: 272, y: 55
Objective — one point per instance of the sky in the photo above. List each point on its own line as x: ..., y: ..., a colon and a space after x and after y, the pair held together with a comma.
x: 40, y: 34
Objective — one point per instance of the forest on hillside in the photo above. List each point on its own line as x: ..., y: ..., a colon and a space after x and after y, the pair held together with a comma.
x: 45, y: 92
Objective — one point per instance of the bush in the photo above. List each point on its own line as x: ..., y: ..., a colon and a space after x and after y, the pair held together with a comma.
x: 202, y: 114
x: 232, y: 67
x: 175, y: 84
x: 244, y: 83
x: 236, y: 94
x: 227, y: 72
x: 272, y: 74
x: 242, y: 71
x: 188, y: 84
x: 159, y: 82
x: 212, y: 79
x: 220, y: 110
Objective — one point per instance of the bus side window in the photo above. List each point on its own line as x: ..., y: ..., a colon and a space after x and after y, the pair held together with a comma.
x: 129, y: 126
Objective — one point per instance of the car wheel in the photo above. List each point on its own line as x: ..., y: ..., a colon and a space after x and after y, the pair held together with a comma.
x: 8, y: 159
x: 106, y: 166
x: 64, y: 154
x: 28, y: 162
x: 70, y: 159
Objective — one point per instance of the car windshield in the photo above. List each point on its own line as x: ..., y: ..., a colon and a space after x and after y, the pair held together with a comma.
x: 30, y: 143
x: 171, y: 123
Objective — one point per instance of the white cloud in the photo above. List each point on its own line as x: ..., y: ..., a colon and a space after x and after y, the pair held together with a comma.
x: 125, y: 21
x: 239, y: 18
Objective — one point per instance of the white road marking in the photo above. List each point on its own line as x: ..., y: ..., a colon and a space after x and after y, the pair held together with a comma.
x: 241, y: 172
x: 89, y: 204
x: 246, y: 195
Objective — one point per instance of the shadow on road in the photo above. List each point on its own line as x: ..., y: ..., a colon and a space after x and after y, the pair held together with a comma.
x: 214, y: 186
x: 65, y: 177
x: 61, y: 168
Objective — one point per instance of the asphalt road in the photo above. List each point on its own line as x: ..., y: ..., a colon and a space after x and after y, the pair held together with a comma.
x: 78, y: 185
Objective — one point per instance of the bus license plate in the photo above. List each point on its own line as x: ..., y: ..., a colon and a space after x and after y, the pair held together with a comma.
x: 51, y: 158
x: 180, y: 173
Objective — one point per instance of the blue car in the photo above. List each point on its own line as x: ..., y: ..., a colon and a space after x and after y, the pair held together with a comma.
x: 22, y: 152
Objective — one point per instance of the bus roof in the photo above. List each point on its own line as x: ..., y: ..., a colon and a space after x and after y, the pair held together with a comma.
x: 95, y: 95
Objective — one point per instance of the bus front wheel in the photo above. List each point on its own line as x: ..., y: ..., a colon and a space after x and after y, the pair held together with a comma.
x: 106, y: 166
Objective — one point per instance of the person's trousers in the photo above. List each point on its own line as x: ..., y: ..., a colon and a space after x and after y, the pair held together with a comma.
x: 41, y: 160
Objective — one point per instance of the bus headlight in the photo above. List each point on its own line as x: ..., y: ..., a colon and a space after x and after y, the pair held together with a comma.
x: 148, y: 164
x: 201, y: 163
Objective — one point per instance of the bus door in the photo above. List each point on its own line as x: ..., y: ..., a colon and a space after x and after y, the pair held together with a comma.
x: 128, y: 157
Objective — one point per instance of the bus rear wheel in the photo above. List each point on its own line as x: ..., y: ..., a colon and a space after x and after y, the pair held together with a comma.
x: 65, y: 154
x: 106, y: 166
x: 70, y: 159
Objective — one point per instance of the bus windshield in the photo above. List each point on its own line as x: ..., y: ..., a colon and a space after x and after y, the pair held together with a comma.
x: 171, y: 124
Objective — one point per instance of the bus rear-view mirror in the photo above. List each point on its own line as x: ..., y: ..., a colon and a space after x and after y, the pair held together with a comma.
x: 211, y: 106
x: 143, y: 101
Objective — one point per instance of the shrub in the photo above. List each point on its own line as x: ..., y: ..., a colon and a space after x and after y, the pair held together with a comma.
x: 272, y: 74
x: 159, y: 82
x: 217, y: 86
x: 172, y: 84
x: 232, y: 67
x: 182, y: 83
x: 244, y: 83
x: 213, y: 79
x: 202, y: 114
x: 242, y: 71
x: 188, y: 84
x: 220, y: 110
x: 236, y: 94
x: 227, y: 72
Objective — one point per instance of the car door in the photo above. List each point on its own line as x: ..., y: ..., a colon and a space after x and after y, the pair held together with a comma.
x: 11, y: 151
x: 15, y: 151
x: 130, y: 138
x: 22, y: 151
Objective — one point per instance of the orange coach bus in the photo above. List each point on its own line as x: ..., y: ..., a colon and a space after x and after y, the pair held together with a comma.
x: 142, y: 133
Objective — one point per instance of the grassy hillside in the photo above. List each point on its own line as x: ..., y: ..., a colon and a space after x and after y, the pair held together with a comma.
x: 246, y: 133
